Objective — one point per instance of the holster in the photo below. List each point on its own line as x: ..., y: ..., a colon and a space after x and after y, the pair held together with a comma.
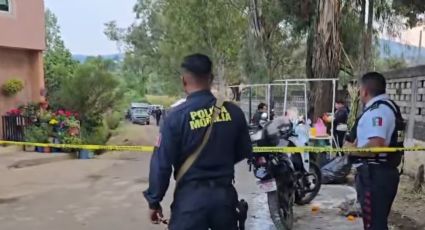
x: 242, y: 213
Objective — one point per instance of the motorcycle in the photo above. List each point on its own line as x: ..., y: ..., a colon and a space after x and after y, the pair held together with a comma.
x: 287, y: 179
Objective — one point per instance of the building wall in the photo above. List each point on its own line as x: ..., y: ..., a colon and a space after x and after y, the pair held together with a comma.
x: 26, y: 65
x: 23, y: 27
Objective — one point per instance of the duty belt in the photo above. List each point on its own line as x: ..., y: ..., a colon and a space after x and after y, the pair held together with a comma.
x: 213, y: 183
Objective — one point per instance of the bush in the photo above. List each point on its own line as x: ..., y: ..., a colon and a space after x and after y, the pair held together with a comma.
x: 71, y: 140
x: 97, y: 135
x: 92, y: 91
x: 113, y: 120
x: 12, y: 87
x: 36, y: 134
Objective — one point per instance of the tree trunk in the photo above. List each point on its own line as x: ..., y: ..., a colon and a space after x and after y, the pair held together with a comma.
x: 419, y: 180
x: 369, y: 37
x: 220, y: 71
x: 325, y: 54
x: 361, y: 56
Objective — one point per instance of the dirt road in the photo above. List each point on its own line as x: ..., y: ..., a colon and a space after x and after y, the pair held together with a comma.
x: 105, y: 194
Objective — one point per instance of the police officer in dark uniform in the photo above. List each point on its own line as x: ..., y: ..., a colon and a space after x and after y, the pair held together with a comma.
x: 380, y: 125
x: 204, y: 197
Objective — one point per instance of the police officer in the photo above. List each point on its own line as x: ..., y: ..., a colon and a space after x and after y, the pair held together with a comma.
x: 204, y: 197
x: 377, y: 174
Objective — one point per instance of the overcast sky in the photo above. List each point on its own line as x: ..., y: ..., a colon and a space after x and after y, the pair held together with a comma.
x: 81, y: 23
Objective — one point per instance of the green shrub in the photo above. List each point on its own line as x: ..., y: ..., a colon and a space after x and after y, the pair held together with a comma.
x: 113, y: 120
x: 37, y: 134
x: 71, y: 140
x: 12, y: 87
x: 93, y: 90
x: 97, y: 135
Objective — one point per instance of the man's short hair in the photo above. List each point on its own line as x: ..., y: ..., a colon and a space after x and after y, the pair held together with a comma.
x: 340, y: 101
x: 199, y: 65
x: 261, y: 106
x: 374, y: 82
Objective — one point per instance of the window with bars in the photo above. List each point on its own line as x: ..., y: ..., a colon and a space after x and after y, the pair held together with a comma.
x: 4, y: 5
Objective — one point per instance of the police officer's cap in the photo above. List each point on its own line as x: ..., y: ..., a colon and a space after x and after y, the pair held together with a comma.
x: 199, y: 65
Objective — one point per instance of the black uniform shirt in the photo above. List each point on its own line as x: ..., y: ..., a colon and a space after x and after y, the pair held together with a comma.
x: 183, y: 130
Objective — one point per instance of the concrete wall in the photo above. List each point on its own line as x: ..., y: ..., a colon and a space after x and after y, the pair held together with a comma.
x: 407, y: 88
x: 26, y: 65
x: 23, y: 27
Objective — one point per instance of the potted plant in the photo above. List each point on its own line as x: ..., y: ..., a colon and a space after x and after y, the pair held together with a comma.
x: 73, y: 127
x: 45, y: 116
x: 37, y: 134
x: 81, y: 153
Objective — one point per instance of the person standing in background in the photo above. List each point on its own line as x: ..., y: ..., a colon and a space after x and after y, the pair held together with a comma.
x: 158, y: 114
x: 340, y: 122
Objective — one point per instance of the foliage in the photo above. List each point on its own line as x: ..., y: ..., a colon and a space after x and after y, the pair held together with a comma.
x: 12, y: 87
x: 388, y: 64
x: 37, y: 134
x: 255, y: 41
x: 30, y: 110
x: 353, y: 91
x: 92, y: 91
x: 168, y: 30
x: 113, y: 120
x: 166, y: 101
x: 58, y: 62
x: 96, y: 135
x: 271, y: 46
x: 72, y: 140
x: 412, y: 9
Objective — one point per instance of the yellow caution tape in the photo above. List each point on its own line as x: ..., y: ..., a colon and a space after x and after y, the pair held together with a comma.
x: 138, y: 148
x: 88, y: 147
x: 334, y: 150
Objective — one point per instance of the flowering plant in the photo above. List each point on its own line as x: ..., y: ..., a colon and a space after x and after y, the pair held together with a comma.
x: 30, y: 111
x: 53, y: 122
x: 45, y: 116
x: 14, y: 112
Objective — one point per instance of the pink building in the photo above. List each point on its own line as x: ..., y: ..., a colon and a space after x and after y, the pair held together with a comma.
x: 22, y: 41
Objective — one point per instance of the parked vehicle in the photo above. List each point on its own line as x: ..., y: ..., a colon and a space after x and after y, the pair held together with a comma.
x: 286, y: 178
x: 139, y: 113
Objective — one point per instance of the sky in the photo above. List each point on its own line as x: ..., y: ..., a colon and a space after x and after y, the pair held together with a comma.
x: 82, y: 23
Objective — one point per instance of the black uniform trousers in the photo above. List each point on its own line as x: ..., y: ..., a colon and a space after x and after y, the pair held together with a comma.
x: 376, y: 186
x: 204, y: 205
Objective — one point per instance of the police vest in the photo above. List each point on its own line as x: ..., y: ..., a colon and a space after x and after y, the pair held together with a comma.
x: 397, y: 138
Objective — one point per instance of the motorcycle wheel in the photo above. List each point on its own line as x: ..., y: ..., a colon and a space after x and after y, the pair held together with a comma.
x: 305, y: 198
x: 281, y: 212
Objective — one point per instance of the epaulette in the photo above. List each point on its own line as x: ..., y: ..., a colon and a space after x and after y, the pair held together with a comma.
x: 374, y: 106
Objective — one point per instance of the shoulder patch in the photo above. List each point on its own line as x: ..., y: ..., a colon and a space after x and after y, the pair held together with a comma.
x: 377, y: 121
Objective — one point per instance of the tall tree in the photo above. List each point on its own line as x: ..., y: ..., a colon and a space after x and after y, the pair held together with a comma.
x: 58, y: 62
x: 168, y: 30
x: 270, y: 40
x: 325, y: 53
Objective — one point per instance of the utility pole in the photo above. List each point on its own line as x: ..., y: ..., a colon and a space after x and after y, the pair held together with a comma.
x: 420, y: 45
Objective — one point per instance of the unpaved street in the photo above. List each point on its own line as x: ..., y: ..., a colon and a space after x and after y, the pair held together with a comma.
x: 105, y: 194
